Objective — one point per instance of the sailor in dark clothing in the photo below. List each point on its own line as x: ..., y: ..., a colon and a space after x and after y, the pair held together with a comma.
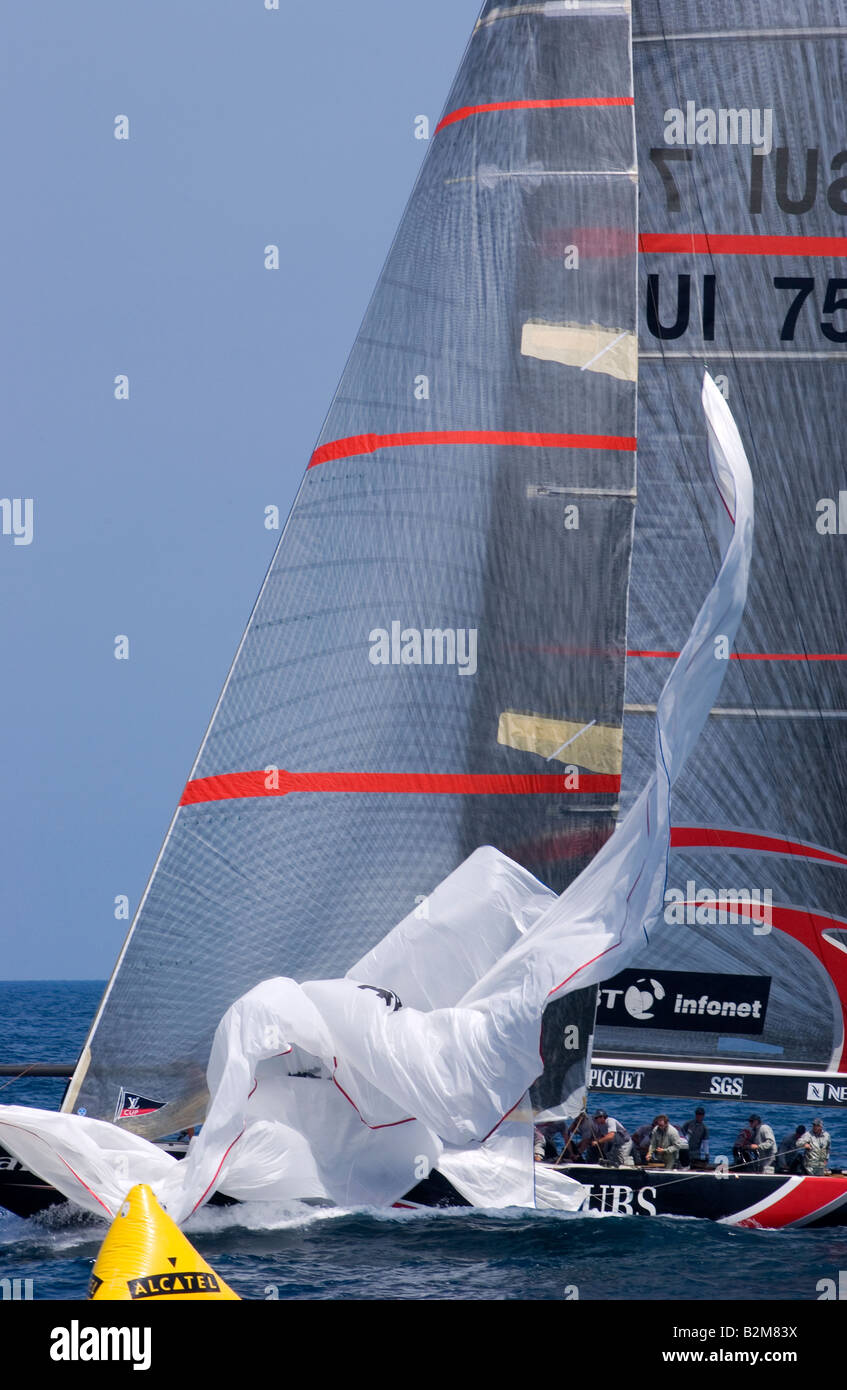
x: 641, y: 1141
x: 789, y: 1158
x: 576, y: 1131
x: 742, y: 1154
x: 697, y: 1134
x: 608, y: 1140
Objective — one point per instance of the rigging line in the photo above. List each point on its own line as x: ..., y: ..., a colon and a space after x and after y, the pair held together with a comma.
x: 696, y: 1173
x: 18, y: 1077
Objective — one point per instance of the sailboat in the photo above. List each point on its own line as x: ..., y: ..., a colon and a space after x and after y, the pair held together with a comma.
x: 464, y: 631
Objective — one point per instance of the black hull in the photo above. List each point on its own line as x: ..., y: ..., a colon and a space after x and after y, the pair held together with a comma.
x: 753, y: 1200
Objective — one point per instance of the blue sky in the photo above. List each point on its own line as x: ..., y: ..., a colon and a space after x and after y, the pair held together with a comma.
x: 144, y: 257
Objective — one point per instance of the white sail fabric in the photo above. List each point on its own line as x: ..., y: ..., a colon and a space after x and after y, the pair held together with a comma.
x: 331, y: 1088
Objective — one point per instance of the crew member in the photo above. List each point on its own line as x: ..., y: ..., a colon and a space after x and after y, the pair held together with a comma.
x: 665, y: 1143
x: 608, y: 1139
x: 815, y: 1146
x: 697, y: 1134
x: 577, y: 1135
x: 742, y: 1155
x: 762, y: 1145
x: 789, y: 1157
x: 641, y: 1141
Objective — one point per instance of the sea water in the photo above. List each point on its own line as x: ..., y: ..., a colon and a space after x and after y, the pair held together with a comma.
x: 276, y: 1251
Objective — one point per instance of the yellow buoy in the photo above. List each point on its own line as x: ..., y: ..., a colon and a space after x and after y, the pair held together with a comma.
x: 146, y: 1256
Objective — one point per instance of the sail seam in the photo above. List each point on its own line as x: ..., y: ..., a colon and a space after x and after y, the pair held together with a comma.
x: 754, y: 712
x: 756, y: 656
x: 695, y: 36
x: 787, y: 355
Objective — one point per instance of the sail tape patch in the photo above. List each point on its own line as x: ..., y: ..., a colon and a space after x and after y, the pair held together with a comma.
x: 598, y: 747
x: 587, y: 346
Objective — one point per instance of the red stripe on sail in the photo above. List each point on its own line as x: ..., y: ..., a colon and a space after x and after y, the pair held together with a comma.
x: 232, y: 785
x: 369, y: 443
x: 462, y: 112
x: 757, y: 656
x: 716, y: 837
x: 808, y: 928
x: 723, y: 244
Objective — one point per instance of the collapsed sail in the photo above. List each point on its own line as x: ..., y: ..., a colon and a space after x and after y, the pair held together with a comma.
x: 739, y: 111
x: 334, y: 1088
x: 436, y: 657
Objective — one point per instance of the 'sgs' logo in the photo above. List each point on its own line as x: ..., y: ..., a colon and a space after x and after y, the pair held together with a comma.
x: 727, y: 1086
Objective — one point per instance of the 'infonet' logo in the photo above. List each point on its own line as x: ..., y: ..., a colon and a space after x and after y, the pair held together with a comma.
x: 685, y: 1000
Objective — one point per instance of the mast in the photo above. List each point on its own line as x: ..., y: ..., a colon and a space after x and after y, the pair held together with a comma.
x: 743, y: 239
x: 436, y: 658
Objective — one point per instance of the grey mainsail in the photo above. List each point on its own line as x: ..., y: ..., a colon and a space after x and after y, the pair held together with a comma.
x: 743, y: 154
x: 436, y: 658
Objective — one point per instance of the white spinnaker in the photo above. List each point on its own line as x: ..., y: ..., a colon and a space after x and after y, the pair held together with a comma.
x: 393, y: 1086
